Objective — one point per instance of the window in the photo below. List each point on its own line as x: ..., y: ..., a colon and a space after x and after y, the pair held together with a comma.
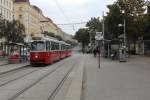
x: 20, y: 16
x: 54, y: 46
x: 0, y: 10
x: 47, y: 45
x: 20, y: 8
x: 38, y: 46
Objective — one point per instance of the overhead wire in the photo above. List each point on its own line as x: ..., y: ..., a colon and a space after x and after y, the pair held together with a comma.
x: 73, y: 23
x: 62, y: 11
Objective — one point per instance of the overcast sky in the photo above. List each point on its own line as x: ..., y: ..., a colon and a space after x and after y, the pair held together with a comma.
x: 72, y: 11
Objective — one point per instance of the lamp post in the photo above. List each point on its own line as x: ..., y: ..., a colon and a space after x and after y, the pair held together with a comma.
x: 124, y: 32
x: 90, y: 38
x: 103, y: 30
x: 123, y: 53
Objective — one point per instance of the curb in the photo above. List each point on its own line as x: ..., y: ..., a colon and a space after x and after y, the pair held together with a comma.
x: 4, y: 64
x: 75, y: 89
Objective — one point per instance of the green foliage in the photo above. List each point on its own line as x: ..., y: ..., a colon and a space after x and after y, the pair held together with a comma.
x: 112, y: 20
x: 59, y: 37
x: 2, y: 26
x: 72, y: 43
x: 94, y: 25
x: 12, y: 31
x: 134, y: 12
x: 137, y: 22
x: 82, y: 35
x: 147, y: 25
x: 49, y: 34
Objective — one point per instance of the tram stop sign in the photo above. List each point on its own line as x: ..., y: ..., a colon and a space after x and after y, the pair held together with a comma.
x: 99, y: 36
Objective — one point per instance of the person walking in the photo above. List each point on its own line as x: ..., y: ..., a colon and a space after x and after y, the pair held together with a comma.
x: 95, y: 52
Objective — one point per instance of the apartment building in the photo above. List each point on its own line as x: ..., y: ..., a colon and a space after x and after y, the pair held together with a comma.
x: 33, y: 19
x: 6, y: 9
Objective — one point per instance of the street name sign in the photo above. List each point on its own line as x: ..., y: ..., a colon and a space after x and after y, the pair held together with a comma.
x: 99, y: 36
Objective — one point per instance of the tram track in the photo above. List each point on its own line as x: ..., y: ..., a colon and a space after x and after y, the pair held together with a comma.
x: 12, y: 70
x: 58, y: 87
x: 8, y: 77
x: 39, y: 79
x: 3, y: 74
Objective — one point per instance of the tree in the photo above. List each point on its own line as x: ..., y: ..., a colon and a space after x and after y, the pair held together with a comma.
x: 14, y: 32
x: 94, y: 25
x: 49, y: 33
x: 2, y: 26
x: 147, y: 22
x: 82, y: 35
x: 59, y: 37
x: 72, y: 43
x: 134, y: 15
x: 112, y: 20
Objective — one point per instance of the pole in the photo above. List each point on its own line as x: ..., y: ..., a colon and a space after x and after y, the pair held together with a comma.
x: 103, y: 35
x: 90, y: 39
x: 108, y: 51
x: 99, y: 52
x: 125, y: 37
x: 125, y: 45
x: 124, y: 32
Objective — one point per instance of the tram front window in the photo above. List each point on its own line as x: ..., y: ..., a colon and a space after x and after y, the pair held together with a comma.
x: 38, y: 46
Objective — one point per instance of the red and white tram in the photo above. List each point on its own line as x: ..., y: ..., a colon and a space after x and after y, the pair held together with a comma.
x: 47, y: 51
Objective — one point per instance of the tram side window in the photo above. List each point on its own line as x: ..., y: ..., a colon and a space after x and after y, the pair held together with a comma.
x: 62, y: 47
x: 57, y: 46
x: 47, y: 45
x: 53, y: 44
x: 67, y: 47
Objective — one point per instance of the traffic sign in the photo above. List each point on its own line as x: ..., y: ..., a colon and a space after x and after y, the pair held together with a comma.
x: 99, y: 36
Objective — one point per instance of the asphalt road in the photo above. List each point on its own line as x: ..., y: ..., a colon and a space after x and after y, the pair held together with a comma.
x: 41, y: 83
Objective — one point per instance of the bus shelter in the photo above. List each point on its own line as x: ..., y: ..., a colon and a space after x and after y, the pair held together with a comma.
x: 17, y: 52
x: 111, y: 48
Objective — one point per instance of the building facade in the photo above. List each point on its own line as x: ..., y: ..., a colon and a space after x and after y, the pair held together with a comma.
x: 33, y: 19
x: 6, y: 9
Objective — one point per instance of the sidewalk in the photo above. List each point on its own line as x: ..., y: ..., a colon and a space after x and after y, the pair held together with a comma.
x: 115, y: 80
x: 3, y: 63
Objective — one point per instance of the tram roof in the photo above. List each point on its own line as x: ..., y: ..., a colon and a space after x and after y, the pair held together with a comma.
x: 54, y: 40
x: 62, y: 42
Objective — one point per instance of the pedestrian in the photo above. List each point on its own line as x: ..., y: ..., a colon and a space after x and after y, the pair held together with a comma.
x: 95, y: 52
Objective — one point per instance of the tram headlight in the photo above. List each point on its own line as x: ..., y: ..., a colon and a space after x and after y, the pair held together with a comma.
x: 36, y: 56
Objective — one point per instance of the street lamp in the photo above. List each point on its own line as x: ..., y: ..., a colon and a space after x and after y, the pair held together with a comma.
x: 124, y: 21
x: 123, y: 56
x: 124, y: 28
